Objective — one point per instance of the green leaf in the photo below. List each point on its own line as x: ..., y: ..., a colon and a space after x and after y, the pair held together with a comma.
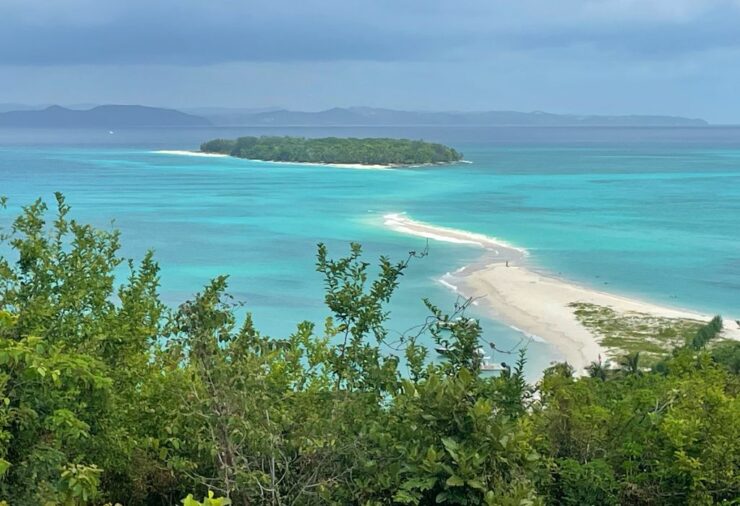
x: 476, y: 484
x: 450, y: 444
x: 405, y: 497
x: 190, y: 501
x: 455, y: 481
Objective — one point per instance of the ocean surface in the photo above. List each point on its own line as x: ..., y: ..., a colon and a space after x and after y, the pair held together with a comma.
x: 646, y: 212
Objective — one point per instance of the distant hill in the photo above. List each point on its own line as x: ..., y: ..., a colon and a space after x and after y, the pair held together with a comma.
x: 117, y: 116
x: 104, y: 116
x: 358, y: 116
x: 227, y: 115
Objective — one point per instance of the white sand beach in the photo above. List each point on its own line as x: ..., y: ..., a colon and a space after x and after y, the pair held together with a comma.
x: 189, y: 153
x: 402, y: 223
x: 533, y: 302
x: 362, y: 166
x: 219, y: 155
x: 359, y: 166
x: 336, y: 165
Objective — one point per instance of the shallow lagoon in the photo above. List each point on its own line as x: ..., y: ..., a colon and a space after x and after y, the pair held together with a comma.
x: 646, y: 212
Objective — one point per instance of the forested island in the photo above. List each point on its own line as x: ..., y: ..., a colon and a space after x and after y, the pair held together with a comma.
x: 335, y: 150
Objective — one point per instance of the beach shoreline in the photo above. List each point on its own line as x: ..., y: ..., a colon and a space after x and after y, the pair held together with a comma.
x: 359, y: 166
x: 183, y: 152
x: 221, y: 155
x: 505, y: 286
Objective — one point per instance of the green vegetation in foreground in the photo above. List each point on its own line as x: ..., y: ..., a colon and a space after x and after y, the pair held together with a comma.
x: 372, y: 151
x: 107, y: 395
x: 653, y: 337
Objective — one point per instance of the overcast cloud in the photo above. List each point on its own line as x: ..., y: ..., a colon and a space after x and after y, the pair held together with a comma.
x: 599, y: 56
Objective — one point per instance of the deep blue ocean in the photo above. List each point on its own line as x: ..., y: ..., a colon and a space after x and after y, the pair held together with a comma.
x: 647, y: 212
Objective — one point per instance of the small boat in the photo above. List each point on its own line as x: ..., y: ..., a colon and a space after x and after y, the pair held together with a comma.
x: 442, y: 350
x: 491, y: 367
x: 485, y: 366
x: 446, y: 324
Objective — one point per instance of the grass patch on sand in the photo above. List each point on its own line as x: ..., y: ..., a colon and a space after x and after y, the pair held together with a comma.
x: 631, y: 332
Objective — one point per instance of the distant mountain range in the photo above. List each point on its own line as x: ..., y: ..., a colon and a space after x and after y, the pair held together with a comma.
x: 103, y: 116
x: 359, y: 116
x: 117, y: 116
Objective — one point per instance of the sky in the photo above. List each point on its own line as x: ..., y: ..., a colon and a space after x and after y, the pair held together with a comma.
x: 677, y: 57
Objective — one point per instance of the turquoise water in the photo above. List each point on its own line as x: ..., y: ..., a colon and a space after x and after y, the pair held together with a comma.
x: 645, y: 212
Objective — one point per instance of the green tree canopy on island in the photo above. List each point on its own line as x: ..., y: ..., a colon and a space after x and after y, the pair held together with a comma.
x: 370, y: 151
x: 107, y: 395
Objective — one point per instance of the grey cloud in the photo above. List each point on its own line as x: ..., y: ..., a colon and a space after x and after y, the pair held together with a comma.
x: 654, y: 41
x: 190, y: 32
